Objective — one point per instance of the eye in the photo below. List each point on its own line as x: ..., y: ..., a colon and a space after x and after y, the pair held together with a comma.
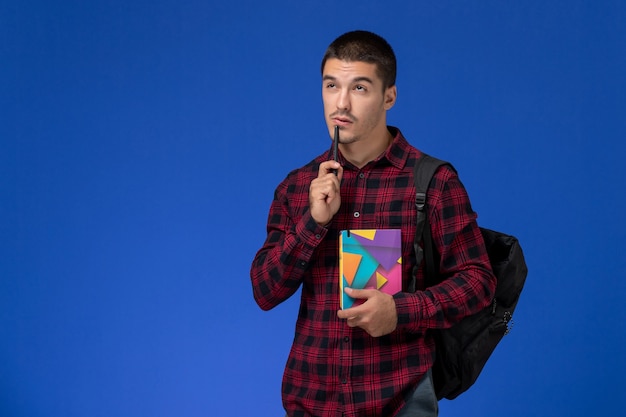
x: 360, y: 88
x: 330, y: 85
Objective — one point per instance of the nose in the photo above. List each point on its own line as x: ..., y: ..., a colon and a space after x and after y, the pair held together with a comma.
x: 343, y: 100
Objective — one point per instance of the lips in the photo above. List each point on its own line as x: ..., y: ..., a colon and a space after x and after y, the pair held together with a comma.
x: 341, y: 121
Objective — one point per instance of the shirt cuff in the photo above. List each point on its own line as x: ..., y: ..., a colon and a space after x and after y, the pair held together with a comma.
x: 408, y: 311
x: 310, y: 233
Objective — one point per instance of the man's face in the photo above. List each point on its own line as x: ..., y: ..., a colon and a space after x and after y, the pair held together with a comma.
x: 355, y: 101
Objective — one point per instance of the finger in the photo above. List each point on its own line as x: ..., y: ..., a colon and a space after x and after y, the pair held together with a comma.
x: 353, y: 321
x: 348, y: 313
x: 339, y: 174
x: 328, y: 167
x: 324, y: 189
x: 361, y: 294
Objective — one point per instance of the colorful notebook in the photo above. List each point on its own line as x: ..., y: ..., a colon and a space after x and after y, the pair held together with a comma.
x: 370, y: 258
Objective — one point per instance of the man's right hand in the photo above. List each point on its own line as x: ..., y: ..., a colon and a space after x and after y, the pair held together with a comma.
x: 324, y: 195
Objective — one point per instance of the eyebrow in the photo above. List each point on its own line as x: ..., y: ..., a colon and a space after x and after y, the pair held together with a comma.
x: 355, y: 80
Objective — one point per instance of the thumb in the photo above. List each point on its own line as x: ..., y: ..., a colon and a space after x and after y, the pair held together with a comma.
x: 356, y: 293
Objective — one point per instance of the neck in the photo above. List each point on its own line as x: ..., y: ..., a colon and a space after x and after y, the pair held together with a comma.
x: 360, y: 154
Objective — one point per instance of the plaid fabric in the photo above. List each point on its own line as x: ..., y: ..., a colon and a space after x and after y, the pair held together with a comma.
x: 335, y: 370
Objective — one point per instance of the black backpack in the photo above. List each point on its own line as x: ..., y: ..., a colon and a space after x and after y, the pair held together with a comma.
x: 463, y: 349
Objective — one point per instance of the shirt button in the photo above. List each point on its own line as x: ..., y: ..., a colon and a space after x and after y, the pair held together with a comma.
x: 356, y: 214
x: 361, y: 175
x: 318, y: 236
x: 302, y: 263
x: 346, y: 339
x: 344, y: 381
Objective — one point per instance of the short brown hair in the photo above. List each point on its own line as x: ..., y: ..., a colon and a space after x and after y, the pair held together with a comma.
x: 364, y: 46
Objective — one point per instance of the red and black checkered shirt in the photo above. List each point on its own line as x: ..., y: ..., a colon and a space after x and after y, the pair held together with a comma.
x: 336, y: 370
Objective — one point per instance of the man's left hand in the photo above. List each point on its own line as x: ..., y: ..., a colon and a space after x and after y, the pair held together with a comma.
x: 377, y: 315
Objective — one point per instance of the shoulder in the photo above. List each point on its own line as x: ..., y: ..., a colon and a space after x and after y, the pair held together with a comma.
x: 446, y: 173
x: 441, y: 177
x: 429, y: 169
x: 299, y: 178
x: 445, y: 170
x: 307, y: 170
x: 447, y: 191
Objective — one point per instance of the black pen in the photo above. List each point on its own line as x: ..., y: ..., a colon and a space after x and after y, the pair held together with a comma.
x: 335, y: 146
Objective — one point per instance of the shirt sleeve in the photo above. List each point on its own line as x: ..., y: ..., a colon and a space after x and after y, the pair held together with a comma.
x: 283, y: 261
x: 469, y: 284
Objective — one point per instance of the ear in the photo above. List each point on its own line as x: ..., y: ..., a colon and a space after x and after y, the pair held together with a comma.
x: 391, y: 94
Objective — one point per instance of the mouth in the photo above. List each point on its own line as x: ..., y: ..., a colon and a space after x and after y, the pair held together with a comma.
x: 341, y: 121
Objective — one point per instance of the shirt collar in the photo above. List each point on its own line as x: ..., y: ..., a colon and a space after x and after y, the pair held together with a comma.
x: 396, y: 154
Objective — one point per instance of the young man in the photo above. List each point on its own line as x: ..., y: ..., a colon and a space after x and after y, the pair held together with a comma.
x: 372, y: 359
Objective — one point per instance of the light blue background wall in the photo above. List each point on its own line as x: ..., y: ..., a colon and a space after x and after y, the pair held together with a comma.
x: 141, y: 142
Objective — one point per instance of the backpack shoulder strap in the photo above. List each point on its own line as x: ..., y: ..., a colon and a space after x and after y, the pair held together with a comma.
x: 423, y: 170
